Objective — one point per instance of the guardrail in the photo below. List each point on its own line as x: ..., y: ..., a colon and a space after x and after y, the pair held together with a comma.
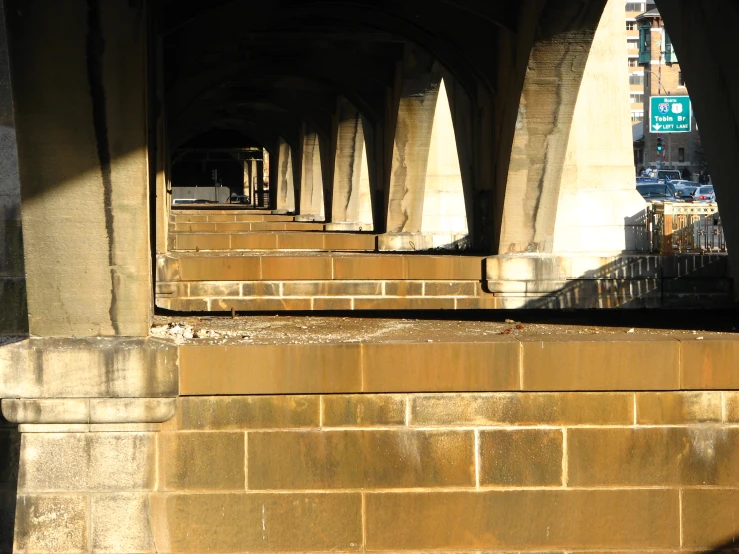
x: 685, y: 227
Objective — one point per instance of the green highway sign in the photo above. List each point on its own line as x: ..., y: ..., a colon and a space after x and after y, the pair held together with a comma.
x: 669, y: 114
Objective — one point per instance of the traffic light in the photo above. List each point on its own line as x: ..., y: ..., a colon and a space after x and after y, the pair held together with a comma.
x: 659, y: 144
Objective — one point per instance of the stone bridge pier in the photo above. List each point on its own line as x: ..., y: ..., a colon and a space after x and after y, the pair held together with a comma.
x: 459, y: 136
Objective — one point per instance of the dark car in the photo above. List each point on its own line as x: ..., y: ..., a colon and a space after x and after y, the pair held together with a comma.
x: 238, y: 199
x: 659, y: 191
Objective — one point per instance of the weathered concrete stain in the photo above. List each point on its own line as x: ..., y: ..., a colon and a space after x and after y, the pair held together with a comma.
x: 95, y: 49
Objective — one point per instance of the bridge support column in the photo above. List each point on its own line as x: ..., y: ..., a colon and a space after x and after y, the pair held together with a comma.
x: 285, y: 195
x: 599, y: 209
x: 571, y: 178
x: 82, y: 145
x: 13, y: 310
x: 62, y: 464
x: 160, y: 158
x: 311, y: 181
x: 253, y: 183
x: 426, y: 207
x: 257, y: 179
x: 88, y: 412
x: 352, y: 201
x: 247, y: 179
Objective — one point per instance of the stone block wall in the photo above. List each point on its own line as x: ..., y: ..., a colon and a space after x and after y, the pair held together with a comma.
x: 495, y: 471
x: 515, y: 471
x: 85, y: 491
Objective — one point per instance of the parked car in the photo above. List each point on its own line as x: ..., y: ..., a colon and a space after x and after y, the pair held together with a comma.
x: 659, y: 191
x: 684, y: 183
x: 685, y: 189
x: 704, y: 194
x: 686, y: 194
x: 238, y: 199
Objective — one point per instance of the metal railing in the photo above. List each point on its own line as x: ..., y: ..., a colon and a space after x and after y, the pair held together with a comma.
x: 685, y: 228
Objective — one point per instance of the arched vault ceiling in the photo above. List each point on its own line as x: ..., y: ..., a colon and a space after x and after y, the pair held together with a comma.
x: 355, y: 44
x: 301, y: 56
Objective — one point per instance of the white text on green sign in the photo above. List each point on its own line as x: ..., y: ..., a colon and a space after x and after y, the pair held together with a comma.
x: 669, y: 114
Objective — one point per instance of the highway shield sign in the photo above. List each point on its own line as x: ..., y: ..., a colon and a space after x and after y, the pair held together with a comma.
x: 669, y: 114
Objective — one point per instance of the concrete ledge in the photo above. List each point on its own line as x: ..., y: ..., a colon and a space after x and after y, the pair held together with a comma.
x: 336, y: 368
x: 409, y: 242
x: 244, y: 281
x: 88, y: 410
x: 275, y: 240
x: 319, y: 266
x: 494, y: 363
x: 346, y: 226
x: 320, y: 288
x: 327, y: 303
x: 88, y: 367
x: 592, y: 282
x: 548, y: 267
x: 89, y: 427
x: 200, y: 213
x: 219, y: 209
x: 321, y: 295
x: 309, y: 217
x: 243, y: 227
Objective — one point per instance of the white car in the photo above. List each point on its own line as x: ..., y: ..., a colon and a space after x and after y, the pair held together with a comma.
x: 704, y: 194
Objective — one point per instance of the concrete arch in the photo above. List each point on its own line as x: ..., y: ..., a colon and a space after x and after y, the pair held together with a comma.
x: 570, y: 186
x: 353, y: 185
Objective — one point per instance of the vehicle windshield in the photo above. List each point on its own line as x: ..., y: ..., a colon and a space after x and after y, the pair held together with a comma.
x: 653, y: 191
x: 668, y: 174
x: 705, y: 190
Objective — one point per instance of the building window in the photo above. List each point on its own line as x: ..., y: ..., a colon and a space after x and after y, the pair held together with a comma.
x: 681, y: 155
x: 634, y: 6
x: 633, y: 62
x: 636, y: 79
x: 680, y: 81
x: 645, y: 44
x: 637, y: 98
x: 630, y: 25
x: 670, y: 55
x: 637, y: 115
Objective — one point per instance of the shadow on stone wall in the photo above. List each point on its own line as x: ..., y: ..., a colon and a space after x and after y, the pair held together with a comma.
x: 636, y: 232
x: 681, y: 281
x: 731, y: 545
x: 639, y: 279
x: 10, y: 441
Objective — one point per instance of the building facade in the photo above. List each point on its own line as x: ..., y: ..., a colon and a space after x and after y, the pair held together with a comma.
x: 662, y: 76
x: 636, y: 71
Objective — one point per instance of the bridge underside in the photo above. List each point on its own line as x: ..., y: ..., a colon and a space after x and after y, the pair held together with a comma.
x: 408, y: 155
